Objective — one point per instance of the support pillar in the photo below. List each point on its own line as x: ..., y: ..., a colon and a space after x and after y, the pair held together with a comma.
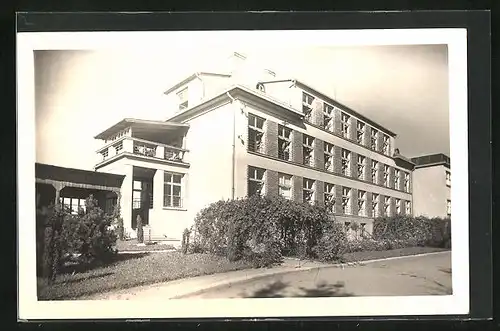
x: 58, y: 187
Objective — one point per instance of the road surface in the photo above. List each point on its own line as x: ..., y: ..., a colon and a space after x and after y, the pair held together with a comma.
x: 416, y: 275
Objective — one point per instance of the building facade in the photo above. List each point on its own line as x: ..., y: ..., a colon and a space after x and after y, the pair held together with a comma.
x: 233, y: 134
x: 432, y: 186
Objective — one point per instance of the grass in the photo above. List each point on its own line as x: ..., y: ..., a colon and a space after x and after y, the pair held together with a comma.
x: 131, y: 270
x: 370, y: 255
x: 131, y: 246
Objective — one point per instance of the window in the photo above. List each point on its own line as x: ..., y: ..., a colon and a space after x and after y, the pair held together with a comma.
x: 105, y: 154
x: 345, y: 122
x: 172, y: 190
x: 118, y: 146
x: 285, y: 185
x: 408, y: 208
x: 386, y: 148
x: 397, y: 179
x: 328, y: 157
x: 307, y: 101
x: 375, y: 201
x: 448, y: 207
x: 183, y: 98
x: 308, y: 143
x: 374, y: 172
x: 386, y: 175
x: 373, y: 139
x: 361, y: 167
x: 255, y: 133
x: 73, y: 205
x: 398, y: 206
x: 346, y: 162
x: 346, y: 200
x: 360, y: 132
x: 448, y: 178
x: 255, y: 181
x: 330, y: 196
x: 387, y: 204
x: 361, y: 203
x: 308, y: 190
x: 328, y: 117
x: 284, y: 142
x: 407, y: 182
x: 110, y: 205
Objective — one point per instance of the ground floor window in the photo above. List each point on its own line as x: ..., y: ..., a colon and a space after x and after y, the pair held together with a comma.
x: 73, y: 204
x: 285, y: 185
x: 172, y: 190
x: 255, y: 181
x: 110, y: 205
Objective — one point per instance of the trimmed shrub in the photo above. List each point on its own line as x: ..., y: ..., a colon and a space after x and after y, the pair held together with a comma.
x: 185, y: 241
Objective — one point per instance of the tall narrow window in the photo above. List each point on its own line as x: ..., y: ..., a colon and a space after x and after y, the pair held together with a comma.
x: 386, y: 175
x: 284, y: 142
x: 373, y: 139
x: 375, y: 202
x: 407, y: 182
x: 183, y: 98
x: 255, y: 181
x: 374, y: 172
x: 387, y: 205
x: 346, y: 200
x: 172, y: 190
x: 328, y: 157
x: 307, y: 101
x: 397, y: 179
x: 329, y: 192
x: 285, y: 185
x: 361, y: 167
x: 361, y: 203
x: 308, y: 190
x: 308, y: 143
x: 255, y: 133
x: 398, y: 206
x: 328, y: 117
x: 408, y: 208
x: 448, y: 178
x: 387, y: 145
x: 360, y: 132
x: 448, y: 207
x: 346, y: 162
x: 345, y: 122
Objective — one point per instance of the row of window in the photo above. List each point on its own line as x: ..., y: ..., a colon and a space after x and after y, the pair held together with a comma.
x: 256, y: 144
x: 142, y: 191
x: 310, y: 104
x: 256, y: 185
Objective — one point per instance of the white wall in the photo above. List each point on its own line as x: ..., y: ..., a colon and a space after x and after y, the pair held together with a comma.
x: 430, y: 191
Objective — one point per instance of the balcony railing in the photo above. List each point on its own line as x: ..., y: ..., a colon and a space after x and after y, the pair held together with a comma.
x: 144, y: 148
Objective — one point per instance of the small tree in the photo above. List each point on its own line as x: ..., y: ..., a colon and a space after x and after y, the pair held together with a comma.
x: 53, y: 249
x: 140, y: 230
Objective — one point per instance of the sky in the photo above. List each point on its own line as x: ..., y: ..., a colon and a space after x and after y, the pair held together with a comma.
x: 78, y: 94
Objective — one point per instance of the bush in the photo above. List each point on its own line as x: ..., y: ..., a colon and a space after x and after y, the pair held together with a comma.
x: 332, y: 244
x: 140, y: 230
x: 185, y: 241
x: 118, y: 222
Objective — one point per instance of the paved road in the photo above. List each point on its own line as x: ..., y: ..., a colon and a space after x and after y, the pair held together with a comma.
x: 418, y: 275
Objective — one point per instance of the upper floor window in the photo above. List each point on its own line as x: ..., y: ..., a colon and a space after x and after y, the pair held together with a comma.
x: 345, y: 122
x: 407, y: 182
x: 285, y: 185
x: 307, y: 101
x: 172, y: 190
x: 284, y: 142
x: 374, y: 171
x: 329, y: 192
x: 387, y: 145
x: 375, y: 202
x: 448, y: 207
x: 255, y: 181
x: 386, y: 175
x: 308, y: 190
x: 360, y: 132
x: 398, y: 206
x: 448, y: 178
x: 328, y: 117
x: 361, y: 167
x: 255, y: 133
x: 346, y: 162
x: 346, y: 200
x: 308, y: 148
x: 328, y: 156
x: 183, y: 98
x: 397, y: 179
x: 361, y: 203
x: 387, y: 204
x: 374, y: 139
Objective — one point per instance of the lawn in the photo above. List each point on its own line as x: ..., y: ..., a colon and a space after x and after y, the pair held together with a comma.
x: 372, y: 255
x: 131, y: 246
x: 136, y: 269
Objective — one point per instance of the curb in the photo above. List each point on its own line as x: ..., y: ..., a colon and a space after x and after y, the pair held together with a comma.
x: 144, y: 252
x: 300, y: 269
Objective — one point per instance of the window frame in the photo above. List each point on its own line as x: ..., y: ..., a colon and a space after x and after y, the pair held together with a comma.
x: 360, y: 129
x: 345, y: 123
x: 362, y: 199
x: 170, y: 202
x: 253, y: 121
x: 346, y: 200
x: 306, y: 190
x: 308, y: 150
x: 362, y: 165
x: 346, y: 162
x: 375, y: 204
x: 328, y: 114
x: 329, y: 194
x: 283, y: 185
x: 262, y: 182
x: 329, y: 150
x: 374, y: 139
x: 283, y: 139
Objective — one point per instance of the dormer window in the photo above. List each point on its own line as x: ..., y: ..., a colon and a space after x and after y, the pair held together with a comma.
x: 261, y: 87
x: 183, y: 98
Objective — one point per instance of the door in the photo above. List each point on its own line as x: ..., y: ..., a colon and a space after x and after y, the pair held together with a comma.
x: 141, y: 200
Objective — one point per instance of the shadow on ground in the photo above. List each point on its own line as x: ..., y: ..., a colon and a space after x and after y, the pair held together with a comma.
x: 84, y: 267
x: 277, y: 289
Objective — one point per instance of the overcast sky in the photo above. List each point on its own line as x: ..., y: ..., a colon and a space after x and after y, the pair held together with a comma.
x: 80, y: 93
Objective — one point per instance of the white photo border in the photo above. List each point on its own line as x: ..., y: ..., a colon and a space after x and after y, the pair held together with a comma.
x: 31, y: 309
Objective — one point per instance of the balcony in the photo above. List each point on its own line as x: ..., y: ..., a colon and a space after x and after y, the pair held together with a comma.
x: 131, y: 146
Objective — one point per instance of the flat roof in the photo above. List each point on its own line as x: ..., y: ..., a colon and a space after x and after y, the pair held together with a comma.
x: 139, y: 123
x: 72, y: 175
x: 431, y: 159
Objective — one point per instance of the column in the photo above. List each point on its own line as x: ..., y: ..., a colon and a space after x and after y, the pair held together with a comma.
x: 58, y: 186
x: 160, y: 152
x: 126, y: 197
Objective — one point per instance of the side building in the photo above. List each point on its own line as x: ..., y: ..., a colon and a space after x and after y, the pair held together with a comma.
x: 432, y: 186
